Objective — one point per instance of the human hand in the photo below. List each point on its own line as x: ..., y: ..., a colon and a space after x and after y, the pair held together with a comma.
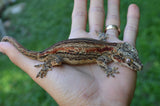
x: 87, y: 84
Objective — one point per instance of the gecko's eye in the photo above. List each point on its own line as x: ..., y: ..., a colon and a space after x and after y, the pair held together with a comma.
x: 128, y: 60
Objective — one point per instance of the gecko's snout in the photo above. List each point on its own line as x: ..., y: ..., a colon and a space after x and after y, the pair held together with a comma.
x: 141, y: 68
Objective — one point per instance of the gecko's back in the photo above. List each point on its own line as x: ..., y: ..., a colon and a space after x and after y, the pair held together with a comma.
x: 84, y: 49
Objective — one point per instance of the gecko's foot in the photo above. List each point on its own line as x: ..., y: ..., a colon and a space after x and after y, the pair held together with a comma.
x: 111, y: 71
x: 49, y: 63
x: 41, y: 74
x: 102, y: 36
x: 43, y: 71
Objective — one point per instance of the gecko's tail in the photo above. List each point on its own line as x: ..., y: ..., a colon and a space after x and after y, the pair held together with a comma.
x: 26, y: 52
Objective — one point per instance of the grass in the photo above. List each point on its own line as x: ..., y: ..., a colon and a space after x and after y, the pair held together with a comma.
x: 43, y: 23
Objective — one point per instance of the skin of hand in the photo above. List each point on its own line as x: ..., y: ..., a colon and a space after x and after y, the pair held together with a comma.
x: 87, y: 84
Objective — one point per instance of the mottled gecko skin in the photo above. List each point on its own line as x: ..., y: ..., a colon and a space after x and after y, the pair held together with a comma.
x: 82, y: 51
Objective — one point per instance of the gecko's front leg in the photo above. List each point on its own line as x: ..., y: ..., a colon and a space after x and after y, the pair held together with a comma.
x: 103, y: 62
x: 49, y: 63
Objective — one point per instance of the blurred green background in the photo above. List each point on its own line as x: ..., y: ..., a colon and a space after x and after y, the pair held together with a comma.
x: 45, y: 22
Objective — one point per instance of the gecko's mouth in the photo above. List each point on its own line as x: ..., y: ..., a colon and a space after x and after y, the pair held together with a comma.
x: 137, y: 66
x: 141, y: 67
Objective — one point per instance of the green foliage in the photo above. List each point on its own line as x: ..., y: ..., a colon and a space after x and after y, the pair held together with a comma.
x: 45, y: 22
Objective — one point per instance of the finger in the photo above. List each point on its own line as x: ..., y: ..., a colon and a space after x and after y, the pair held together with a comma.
x: 113, y: 17
x: 131, y: 28
x: 79, y: 15
x: 96, y: 15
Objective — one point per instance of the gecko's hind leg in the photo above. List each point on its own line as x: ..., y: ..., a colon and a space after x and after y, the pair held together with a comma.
x: 102, y: 36
x: 51, y: 61
x: 102, y: 61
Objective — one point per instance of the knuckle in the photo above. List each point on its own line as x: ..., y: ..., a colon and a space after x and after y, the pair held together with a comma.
x: 113, y: 17
x: 79, y: 14
x: 131, y: 28
x: 96, y: 27
x: 97, y: 9
x: 76, y: 30
x: 113, y: 33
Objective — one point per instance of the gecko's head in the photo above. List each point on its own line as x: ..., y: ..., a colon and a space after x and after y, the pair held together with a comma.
x: 128, y: 56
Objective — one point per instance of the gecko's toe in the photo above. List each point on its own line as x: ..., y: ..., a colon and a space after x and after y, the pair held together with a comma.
x: 38, y: 65
x: 112, y: 75
x: 38, y: 75
x: 112, y: 72
x: 43, y: 72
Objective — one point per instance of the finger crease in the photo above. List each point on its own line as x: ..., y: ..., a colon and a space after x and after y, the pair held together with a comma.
x: 97, y: 9
x: 115, y: 17
x: 79, y: 13
x: 131, y: 28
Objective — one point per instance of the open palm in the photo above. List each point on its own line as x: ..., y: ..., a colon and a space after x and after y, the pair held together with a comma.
x: 87, y: 84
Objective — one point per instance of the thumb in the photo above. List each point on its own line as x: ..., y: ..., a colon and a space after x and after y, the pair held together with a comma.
x: 9, y: 50
x: 18, y: 59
